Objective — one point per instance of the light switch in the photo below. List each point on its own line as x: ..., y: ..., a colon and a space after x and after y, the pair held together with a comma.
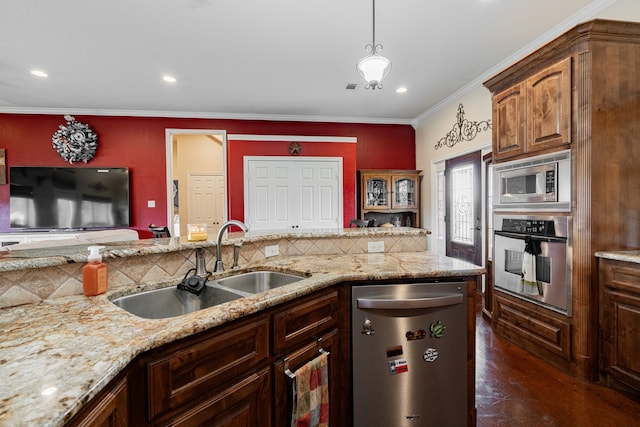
x: 151, y: 203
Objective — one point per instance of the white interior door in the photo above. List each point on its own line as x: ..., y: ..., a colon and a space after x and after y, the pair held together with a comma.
x: 298, y: 193
x: 206, y: 199
x: 269, y: 195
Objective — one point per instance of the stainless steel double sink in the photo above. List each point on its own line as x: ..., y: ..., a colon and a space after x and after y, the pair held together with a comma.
x: 170, y: 302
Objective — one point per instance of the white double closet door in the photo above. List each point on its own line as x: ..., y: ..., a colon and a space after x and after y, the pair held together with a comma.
x: 293, y: 193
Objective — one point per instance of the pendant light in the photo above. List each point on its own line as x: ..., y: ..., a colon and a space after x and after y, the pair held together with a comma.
x: 373, y: 67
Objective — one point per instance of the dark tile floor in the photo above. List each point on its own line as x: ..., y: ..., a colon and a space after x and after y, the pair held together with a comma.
x: 514, y: 388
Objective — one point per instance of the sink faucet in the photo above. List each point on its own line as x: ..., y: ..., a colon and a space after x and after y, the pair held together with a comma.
x: 236, y: 255
x: 223, y: 228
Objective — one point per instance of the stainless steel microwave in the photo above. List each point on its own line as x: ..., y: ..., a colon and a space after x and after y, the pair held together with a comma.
x: 541, y: 183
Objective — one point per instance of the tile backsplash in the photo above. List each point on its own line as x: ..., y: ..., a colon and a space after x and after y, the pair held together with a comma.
x: 31, y: 285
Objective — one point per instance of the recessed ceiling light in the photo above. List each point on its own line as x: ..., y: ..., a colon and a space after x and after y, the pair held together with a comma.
x: 39, y: 73
x: 169, y: 79
x: 401, y: 89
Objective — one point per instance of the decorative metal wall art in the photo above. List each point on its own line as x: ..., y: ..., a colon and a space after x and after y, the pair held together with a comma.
x: 463, y: 130
x: 75, y: 142
x: 295, y: 149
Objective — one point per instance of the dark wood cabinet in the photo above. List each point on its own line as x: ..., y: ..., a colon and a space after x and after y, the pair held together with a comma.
x: 295, y: 324
x: 509, y: 122
x: 533, y: 115
x: 294, y: 360
x: 300, y: 330
x: 620, y: 325
x: 180, y: 375
x: 548, y: 118
x: 580, y: 93
x: 227, y: 376
x: 246, y: 403
x: 534, y: 327
x: 108, y: 409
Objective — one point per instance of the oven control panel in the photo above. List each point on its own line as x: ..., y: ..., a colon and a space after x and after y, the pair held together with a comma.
x: 529, y: 226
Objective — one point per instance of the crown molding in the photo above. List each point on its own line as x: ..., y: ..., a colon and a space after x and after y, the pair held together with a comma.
x: 203, y: 115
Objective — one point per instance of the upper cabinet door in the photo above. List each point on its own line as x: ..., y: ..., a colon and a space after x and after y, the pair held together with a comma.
x: 405, y: 192
x: 509, y: 122
x: 549, y: 107
x: 376, y: 192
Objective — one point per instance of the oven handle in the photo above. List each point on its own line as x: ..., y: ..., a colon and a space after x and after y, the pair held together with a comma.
x: 410, y: 303
x: 523, y: 236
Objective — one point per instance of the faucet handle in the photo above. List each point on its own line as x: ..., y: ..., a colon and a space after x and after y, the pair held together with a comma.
x: 236, y: 255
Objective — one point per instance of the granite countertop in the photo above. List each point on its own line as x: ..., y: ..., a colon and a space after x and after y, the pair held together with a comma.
x: 628, y: 256
x: 61, y: 255
x: 56, y: 355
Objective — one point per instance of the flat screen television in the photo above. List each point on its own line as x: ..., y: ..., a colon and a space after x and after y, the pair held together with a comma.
x: 63, y: 198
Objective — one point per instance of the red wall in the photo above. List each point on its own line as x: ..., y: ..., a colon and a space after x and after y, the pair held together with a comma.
x: 139, y: 144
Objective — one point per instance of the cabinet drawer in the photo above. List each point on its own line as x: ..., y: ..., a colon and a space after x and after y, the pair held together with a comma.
x: 200, y: 367
x: 531, y: 328
x: 620, y: 276
x: 245, y: 404
x: 306, y: 320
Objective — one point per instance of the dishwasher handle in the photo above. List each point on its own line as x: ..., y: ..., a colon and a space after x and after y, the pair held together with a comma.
x: 410, y: 303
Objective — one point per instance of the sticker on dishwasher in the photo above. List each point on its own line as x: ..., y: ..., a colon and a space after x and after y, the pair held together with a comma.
x: 436, y: 329
x: 420, y: 334
x: 398, y: 366
x: 430, y: 355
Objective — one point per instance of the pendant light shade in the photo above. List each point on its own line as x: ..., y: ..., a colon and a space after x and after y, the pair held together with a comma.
x: 373, y: 67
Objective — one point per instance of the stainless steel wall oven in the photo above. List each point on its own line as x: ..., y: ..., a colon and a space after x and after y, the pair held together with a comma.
x: 532, y: 259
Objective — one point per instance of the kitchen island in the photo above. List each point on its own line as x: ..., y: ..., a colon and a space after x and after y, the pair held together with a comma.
x: 58, y: 354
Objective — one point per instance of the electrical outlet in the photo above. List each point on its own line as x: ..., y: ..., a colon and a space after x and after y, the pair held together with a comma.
x: 151, y: 203
x: 376, y: 246
x: 272, y: 250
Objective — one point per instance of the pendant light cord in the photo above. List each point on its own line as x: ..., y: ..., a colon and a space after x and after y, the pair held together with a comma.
x: 374, y: 24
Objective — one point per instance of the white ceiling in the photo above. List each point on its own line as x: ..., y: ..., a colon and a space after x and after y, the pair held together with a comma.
x: 263, y: 59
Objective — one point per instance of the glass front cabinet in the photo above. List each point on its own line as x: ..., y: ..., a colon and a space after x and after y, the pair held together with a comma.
x: 404, y: 191
x: 390, y: 197
x: 377, y: 189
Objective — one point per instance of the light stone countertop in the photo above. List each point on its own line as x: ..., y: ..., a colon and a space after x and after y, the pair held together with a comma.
x: 61, y: 255
x: 627, y: 256
x: 56, y: 355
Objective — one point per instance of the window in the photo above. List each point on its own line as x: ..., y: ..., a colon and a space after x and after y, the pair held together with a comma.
x: 440, y: 206
x: 462, y: 224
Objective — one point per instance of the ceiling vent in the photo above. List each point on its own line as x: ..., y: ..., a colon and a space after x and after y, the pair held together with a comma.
x: 351, y: 86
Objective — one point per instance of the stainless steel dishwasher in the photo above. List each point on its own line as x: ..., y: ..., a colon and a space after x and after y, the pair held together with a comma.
x: 409, y: 348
